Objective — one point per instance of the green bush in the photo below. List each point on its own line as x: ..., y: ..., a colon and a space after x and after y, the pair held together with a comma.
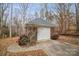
x: 24, y: 40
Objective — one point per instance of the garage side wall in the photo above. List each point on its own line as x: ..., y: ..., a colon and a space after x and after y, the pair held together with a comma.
x: 43, y: 34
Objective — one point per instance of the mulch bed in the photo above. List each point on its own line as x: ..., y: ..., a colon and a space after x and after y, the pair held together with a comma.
x: 70, y: 39
x: 4, y: 43
x: 38, y: 52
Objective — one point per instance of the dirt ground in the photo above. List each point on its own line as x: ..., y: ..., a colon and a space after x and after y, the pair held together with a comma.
x: 4, y: 43
x: 38, y: 52
x: 70, y: 39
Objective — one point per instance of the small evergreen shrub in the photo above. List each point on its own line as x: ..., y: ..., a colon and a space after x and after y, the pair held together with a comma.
x: 24, y: 40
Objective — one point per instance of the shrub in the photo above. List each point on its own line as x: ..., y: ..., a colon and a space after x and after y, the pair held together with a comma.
x: 55, y: 36
x: 4, y: 32
x: 24, y: 40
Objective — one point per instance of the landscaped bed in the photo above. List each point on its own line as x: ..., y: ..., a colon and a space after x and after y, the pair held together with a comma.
x: 38, y: 52
x: 4, y: 43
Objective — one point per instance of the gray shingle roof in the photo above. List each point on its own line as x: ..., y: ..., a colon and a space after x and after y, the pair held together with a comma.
x: 40, y: 22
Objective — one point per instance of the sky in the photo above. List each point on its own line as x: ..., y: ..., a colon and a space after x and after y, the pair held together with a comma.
x: 35, y: 7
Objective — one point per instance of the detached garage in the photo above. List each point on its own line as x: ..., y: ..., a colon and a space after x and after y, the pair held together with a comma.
x: 39, y: 29
x: 43, y: 33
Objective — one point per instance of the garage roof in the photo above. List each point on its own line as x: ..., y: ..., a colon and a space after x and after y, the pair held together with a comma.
x: 40, y: 22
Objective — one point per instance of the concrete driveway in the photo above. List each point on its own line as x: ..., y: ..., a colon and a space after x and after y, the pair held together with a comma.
x: 51, y: 47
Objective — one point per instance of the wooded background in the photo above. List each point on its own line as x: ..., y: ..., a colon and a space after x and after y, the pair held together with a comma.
x: 12, y: 21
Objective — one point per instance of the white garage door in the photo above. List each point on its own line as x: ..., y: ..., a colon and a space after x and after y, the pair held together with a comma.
x: 43, y: 33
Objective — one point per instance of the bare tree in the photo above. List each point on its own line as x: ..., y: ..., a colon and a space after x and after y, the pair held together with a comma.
x: 36, y: 15
x: 3, y: 8
x: 11, y: 15
x: 45, y: 13
x: 77, y: 16
x: 16, y: 25
x: 63, y: 16
x: 23, y: 8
